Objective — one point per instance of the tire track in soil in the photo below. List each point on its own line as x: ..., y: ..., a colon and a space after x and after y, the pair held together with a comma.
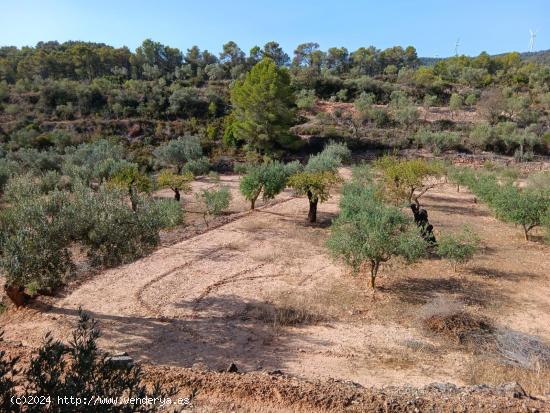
x: 227, y: 280
x: 139, y: 294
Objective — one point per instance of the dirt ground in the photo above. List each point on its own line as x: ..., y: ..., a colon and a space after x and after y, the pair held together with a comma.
x: 231, y: 294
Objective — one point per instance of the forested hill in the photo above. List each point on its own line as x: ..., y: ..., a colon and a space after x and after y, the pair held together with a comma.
x: 58, y: 95
x: 541, y: 56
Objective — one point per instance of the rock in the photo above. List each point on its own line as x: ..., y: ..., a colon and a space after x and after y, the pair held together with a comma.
x: 232, y: 368
x: 121, y: 360
x: 199, y: 366
x: 512, y: 389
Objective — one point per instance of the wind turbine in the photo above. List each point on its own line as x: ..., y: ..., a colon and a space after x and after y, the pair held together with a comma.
x: 456, y: 46
x: 532, y: 36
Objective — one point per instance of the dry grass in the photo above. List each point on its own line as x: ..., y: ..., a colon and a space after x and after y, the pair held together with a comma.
x: 306, y: 307
x: 491, y: 370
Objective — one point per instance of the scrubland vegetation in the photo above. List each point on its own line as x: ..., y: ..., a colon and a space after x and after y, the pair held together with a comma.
x: 105, y: 153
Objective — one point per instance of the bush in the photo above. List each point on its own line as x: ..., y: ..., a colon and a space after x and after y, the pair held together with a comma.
x: 215, y: 201
x: 329, y: 159
x: 175, y: 182
x: 438, y: 141
x: 168, y: 211
x: 78, y: 370
x: 305, y: 99
x: 112, y: 232
x: 527, y: 208
x: 179, y: 151
x: 197, y: 167
x: 458, y: 248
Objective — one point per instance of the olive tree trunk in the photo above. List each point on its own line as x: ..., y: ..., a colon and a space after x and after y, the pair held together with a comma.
x: 312, y: 214
x: 17, y: 295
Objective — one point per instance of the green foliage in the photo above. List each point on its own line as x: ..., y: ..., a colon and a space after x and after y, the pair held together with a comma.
x: 263, y: 106
x: 527, y: 208
x: 268, y: 179
x: 215, y: 201
x: 196, y: 167
x: 7, y: 170
x: 437, y: 141
x: 316, y: 186
x: 167, y: 211
x: 128, y: 177
x: 78, y: 371
x: 409, y: 179
x: 34, y: 245
x: 329, y: 159
x: 481, y: 136
x: 112, y: 232
x: 455, y: 102
x: 305, y: 99
x: 168, y: 179
x: 458, y: 248
x: 369, y: 233
x: 178, y: 152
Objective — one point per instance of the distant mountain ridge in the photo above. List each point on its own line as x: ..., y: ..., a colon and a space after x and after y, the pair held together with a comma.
x: 541, y: 56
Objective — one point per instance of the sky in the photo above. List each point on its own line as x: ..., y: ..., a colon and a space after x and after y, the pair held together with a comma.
x: 433, y: 27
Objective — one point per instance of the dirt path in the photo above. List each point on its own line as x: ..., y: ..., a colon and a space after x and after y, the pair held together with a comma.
x: 211, y: 299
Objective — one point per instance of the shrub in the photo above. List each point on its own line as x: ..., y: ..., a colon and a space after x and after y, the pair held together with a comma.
x: 197, y: 167
x: 458, y: 248
x: 78, y: 370
x: 112, y: 233
x: 179, y: 151
x: 8, y: 169
x: 215, y: 201
x: 129, y: 178
x: 329, y: 159
x: 437, y: 141
x: 168, y: 211
x: 460, y: 176
x: 305, y: 99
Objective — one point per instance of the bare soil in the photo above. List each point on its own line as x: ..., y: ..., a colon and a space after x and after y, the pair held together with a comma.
x: 261, y: 290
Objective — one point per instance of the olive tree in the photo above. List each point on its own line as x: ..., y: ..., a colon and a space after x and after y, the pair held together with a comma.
x: 524, y: 207
x: 316, y: 186
x: 131, y: 179
x: 178, y: 152
x: 267, y: 179
x: 409, y: 179
x: 177, y: 183
x: 34, y: 245
x: 368, y: 233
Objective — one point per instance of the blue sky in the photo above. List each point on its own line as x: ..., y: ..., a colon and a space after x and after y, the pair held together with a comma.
x: 431, y: 26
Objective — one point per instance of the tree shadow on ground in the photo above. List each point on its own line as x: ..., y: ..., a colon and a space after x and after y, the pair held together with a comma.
x: 228, y: 332
x: 493, y: 273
